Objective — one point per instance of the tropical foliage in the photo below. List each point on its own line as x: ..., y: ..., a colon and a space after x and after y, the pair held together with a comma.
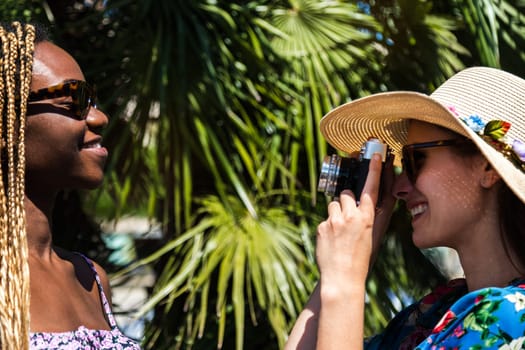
x: 215, y: 107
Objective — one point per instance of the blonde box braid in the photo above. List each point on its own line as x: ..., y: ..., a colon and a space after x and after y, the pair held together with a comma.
x: 16, y: 60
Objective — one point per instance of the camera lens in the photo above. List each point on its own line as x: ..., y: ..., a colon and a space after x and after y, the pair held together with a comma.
x: 336, y: 174
x: 329, y: 174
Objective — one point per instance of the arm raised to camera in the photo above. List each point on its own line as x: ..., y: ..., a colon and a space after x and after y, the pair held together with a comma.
x: 346, y: 242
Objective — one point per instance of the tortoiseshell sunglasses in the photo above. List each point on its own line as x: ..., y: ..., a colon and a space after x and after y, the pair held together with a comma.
x: 82, y: 94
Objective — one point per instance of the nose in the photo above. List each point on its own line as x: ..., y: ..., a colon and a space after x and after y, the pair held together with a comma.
x: 96, y: 119
x: 402, y: 186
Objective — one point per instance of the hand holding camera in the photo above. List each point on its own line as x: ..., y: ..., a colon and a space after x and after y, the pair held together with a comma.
x: 340, y: 173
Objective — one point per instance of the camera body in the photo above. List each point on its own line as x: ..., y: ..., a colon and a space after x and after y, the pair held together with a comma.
x: 340, y: 173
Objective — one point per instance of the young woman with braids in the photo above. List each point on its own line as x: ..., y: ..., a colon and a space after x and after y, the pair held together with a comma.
x: 50, y: 141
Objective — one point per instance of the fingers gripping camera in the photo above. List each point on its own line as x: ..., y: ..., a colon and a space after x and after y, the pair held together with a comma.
x: 340, y: 173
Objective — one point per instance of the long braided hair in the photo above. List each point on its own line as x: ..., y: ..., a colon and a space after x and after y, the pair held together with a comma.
x: 17, y: 44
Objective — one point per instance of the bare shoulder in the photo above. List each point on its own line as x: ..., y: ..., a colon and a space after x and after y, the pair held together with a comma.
x: 84, y: 272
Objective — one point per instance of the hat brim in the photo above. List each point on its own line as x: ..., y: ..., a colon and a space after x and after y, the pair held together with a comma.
x: 386, y: 115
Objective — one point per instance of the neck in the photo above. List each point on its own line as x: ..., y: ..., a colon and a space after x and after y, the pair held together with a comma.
x: 485, y: 260
x: 495, y: 269
x: 38, y: 226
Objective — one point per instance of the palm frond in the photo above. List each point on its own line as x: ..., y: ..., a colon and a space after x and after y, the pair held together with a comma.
x: 249, y: 262
x: 493, y: 26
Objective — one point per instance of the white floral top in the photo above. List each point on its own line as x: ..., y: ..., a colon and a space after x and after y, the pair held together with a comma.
x: 84, y: 338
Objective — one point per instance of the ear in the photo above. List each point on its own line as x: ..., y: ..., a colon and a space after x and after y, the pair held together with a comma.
x: 489, y: 176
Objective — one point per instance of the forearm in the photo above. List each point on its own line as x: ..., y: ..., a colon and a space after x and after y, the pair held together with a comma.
x: 341, y: 317
x: 304, y: 331
x: 346, y: 240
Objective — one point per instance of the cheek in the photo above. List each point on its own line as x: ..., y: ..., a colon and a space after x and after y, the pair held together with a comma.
x: 453, y: 189
x: 46, y: 146
x: 35, y: 148
x: 51, y: 131
x: 38, y: 157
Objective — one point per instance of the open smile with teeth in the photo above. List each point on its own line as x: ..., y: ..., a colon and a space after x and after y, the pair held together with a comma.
x: 92, y: 145
x: 418, y: 209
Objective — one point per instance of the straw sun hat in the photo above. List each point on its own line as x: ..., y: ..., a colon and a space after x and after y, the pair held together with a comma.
x: 475, y: 102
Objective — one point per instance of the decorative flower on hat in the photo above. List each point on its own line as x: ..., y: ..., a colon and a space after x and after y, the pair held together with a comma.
x: 474, y: 122
x: 519, y: 147
x: 494, y: 133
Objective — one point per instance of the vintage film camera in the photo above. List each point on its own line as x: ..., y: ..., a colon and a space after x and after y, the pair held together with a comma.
x: 340, y: 173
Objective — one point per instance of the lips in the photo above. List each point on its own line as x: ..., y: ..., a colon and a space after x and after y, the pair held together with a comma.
x: 94, y: 147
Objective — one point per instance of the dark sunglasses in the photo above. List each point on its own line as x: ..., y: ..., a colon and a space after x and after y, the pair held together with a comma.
x: 413, y: 159
x: 82, y: 94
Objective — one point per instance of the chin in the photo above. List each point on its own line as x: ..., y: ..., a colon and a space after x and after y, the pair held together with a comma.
x: 419, y: 241
x: 89, y: 183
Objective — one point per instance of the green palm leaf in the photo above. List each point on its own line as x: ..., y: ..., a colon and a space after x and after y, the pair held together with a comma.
x: 245, y: 260
x: 494, y: 25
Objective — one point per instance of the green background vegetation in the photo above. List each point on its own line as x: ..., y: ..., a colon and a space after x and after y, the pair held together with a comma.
x: 214, y: 110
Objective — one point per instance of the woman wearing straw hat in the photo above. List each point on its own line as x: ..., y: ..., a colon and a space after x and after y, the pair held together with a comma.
x: 462, y: 150
x: 49, y: 298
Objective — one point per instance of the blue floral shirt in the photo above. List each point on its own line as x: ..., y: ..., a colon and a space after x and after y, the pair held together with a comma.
x: 489, y: 318
x: 415, y: 323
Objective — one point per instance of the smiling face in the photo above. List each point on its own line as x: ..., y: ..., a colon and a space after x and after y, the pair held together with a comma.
x: 447, y: 201
x: 62, y: 151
